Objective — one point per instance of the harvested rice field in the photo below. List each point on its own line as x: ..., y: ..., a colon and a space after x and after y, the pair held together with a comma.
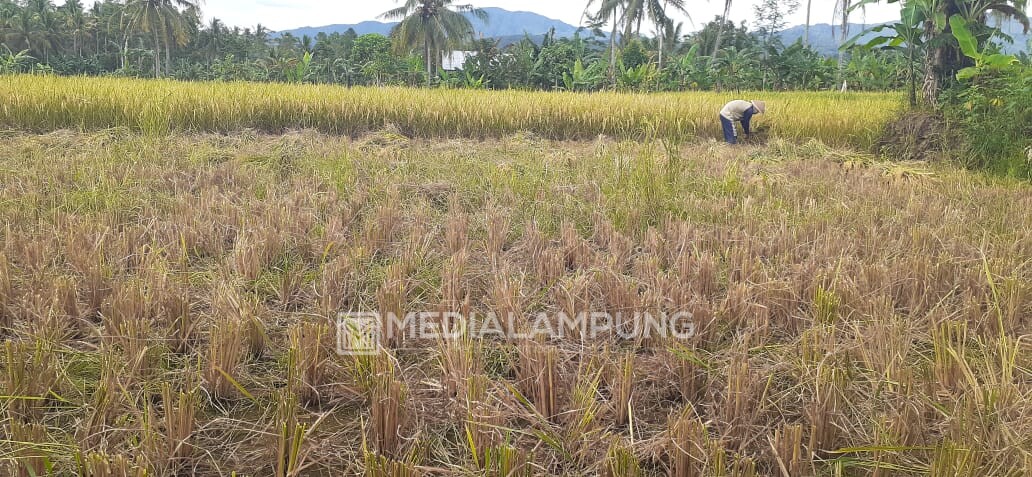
x: 171, y: 304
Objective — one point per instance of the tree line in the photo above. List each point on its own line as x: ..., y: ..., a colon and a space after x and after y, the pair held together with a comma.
x: 626, y: 44
x: 167, y: 38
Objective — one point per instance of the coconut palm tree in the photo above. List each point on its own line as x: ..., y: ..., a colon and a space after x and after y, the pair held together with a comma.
x: 608, y: 12
x: 50, y: 31
x: 658, y: 15
x: 23, y: 30
x: 432, y: 25
x: 636, y: 11
x: 102, y: 21
x: 261, y: 33
x: 720, y: 28
x: 180, y: 27
x: 79, y: 25
x: 843, y: 8
x: 145, y: 16
x: 212, y: 39
x: 806, y: 32
x: 287, y: 42
x: 163, y: 20
x: 669, y: 35
x: 653, y: 10
x: 307, y: 44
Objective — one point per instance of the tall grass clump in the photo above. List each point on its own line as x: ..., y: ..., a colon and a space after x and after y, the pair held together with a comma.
x: 976, y: 113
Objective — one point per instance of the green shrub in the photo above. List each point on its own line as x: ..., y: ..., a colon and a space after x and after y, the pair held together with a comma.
x: 994, y: 114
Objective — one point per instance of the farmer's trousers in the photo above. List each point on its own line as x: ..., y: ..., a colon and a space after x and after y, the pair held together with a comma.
x: 730, y: 135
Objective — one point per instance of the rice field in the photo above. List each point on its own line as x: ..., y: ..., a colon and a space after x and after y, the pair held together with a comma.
x: 47, y: 103
x: 167, y: 306
x: 176, y: 260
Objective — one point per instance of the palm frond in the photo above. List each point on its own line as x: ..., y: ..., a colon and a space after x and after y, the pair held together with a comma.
x: 395, y: 13
x: 1010, y: 11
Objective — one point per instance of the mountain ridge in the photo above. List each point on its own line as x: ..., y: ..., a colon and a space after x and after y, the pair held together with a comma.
x: 824, y: 38
x: 508, y: 26
x: 501, y: 23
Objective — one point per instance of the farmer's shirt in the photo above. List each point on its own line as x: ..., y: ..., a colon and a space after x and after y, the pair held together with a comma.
x: 739, y: 110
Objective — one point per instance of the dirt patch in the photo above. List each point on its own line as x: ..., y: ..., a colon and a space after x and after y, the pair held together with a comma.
x: 916, y: 136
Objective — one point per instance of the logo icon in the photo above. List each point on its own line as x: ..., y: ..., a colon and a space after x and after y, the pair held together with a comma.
x: 359, y: 334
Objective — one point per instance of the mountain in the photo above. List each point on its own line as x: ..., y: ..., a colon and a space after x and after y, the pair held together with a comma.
x: 364, y: 28
x: 825, y: 38
x: 501, y: 23
x: 1022, y: 40
x: 509, y: 27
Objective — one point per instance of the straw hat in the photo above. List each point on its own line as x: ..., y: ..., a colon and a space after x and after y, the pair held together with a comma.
x: 761, y: 106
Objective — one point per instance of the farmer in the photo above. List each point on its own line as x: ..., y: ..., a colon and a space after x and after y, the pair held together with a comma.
x: 739, y: 110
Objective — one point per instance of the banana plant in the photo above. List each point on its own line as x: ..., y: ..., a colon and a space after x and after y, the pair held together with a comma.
x: 638, y: 78
x: 449, y: 79
x: 297, y: 70
x: 11, y: 62
x: 942, y: 47
x: 475, y: 82
x: 984, y: 61
x: 908, y: 34
x: 689, y: 71
x: 581, y: 78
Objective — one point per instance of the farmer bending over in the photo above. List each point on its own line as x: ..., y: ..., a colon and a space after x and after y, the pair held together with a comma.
x: 739, y: 110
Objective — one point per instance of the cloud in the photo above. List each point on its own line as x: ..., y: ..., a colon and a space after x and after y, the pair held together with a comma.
x: 266, y: 3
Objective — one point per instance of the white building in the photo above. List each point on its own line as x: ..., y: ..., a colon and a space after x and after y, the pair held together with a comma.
x: 455, y: 60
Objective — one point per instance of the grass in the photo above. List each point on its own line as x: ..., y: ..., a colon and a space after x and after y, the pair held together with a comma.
x: 165, y: 299
x: 47, y: 103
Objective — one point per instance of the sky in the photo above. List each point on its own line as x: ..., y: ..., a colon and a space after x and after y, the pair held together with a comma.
x: 289, y: 14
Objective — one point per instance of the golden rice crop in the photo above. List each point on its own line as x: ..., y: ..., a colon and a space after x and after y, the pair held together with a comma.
x: 46, y: 103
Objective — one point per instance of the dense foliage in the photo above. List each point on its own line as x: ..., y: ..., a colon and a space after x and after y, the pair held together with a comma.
x: 982, y: 95
x: 994, y: 113
x: 168, y: 38
x: 992, y: 102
